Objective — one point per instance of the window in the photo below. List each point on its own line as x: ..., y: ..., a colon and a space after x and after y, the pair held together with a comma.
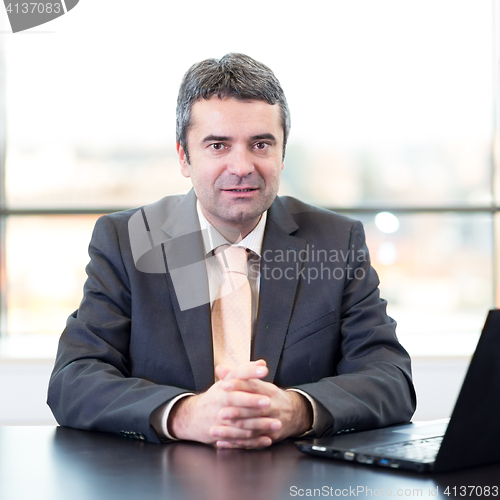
x: 392, y: 108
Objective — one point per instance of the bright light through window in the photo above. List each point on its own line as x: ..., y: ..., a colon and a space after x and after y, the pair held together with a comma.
x: 391, y: 104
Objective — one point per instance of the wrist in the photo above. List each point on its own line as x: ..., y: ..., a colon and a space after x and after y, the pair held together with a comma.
x: 304, y: 414
x: 178, y: 423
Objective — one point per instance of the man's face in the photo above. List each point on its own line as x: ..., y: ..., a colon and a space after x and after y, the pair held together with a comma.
x: 235, y: 150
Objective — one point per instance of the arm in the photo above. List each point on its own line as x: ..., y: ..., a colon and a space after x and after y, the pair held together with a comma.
x: 373, y: 386
x: 92, y: 386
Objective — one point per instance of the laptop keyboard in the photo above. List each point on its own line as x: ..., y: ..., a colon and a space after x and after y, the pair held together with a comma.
x: 420, y: 450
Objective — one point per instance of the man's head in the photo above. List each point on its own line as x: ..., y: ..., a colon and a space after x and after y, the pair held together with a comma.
x: 235, y: 75
x: 233, y: 118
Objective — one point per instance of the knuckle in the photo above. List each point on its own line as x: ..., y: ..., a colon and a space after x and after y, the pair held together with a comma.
x: 273, y: 389
x: 229, y: 413
x: 253, y: 384
x: 233, y: 384
x: 244, y: 434
x: 249, y: 433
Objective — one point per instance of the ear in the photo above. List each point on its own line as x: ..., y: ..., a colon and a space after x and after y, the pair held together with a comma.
x: 282, y: 165
x: 183, y: 161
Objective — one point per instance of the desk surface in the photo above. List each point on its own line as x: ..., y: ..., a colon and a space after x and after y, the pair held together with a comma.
x: 47, y: 463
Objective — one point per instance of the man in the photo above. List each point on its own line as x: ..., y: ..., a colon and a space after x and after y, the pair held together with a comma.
x: 162, y: 347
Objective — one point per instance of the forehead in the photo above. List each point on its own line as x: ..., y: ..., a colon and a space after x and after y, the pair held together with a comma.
x: 228, y: 114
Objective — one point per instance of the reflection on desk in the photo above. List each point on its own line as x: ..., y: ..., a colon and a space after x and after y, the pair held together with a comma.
x: 46, y: 463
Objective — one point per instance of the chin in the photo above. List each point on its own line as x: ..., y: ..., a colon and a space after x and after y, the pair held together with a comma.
x: 246, y: 215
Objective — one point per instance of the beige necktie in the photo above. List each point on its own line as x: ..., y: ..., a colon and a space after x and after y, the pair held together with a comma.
x: 231, y: 311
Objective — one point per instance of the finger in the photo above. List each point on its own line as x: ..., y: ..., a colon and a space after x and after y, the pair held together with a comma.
x: 238, y: 412
x: 258, y: 362
x: 253, y: 369
x: 258, y: 442
x: 262, y: 424
x: 253, y: 385
x: 231, y: 433
x: 246, y: 400
x: 221, y: 371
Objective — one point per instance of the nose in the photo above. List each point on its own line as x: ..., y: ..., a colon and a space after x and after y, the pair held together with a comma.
x: 240, y: 162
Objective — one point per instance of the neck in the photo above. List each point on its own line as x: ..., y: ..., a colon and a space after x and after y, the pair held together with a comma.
x: 234, y: 234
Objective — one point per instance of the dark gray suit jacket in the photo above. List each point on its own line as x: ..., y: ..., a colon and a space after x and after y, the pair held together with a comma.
x: 134, y: 344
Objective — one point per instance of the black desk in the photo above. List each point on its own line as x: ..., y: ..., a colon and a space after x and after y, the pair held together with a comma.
x: 46, y: 463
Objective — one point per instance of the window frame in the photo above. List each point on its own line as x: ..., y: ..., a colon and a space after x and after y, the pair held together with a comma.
x: 493, y: 209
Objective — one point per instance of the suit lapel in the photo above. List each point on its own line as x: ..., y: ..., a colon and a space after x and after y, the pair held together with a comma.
x: 187, y: 280
x: 278, y: 285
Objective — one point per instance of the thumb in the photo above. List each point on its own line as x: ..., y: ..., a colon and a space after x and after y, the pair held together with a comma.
x: 221, y: 371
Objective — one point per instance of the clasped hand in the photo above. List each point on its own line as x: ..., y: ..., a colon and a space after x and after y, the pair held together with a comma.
x: 241, y: 411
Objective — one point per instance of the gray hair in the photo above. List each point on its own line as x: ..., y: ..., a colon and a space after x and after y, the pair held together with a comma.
x: 235, y: 75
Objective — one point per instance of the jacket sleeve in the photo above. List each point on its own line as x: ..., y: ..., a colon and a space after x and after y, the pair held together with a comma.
x: 91, y: 386
x: 373, y: 385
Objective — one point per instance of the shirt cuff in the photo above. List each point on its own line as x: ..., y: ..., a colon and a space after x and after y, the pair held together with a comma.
x: 320, y: 415
x: 160, y: 420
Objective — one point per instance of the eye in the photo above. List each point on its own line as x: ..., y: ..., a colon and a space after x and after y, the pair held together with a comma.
x: 217, y: 146
x: 261, y: 145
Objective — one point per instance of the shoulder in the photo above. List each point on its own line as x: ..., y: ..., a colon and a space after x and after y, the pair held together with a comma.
x: 130, y: 228
x: 130, y: 234
x: 310, y: 216
x: 163, y: 206
x: 121, y: 220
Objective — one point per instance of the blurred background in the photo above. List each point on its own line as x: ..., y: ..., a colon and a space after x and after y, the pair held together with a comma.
x: 394, y: 122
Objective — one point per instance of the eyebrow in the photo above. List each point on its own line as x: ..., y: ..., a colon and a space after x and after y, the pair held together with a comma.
x: 210, y: 138
x: 261, y: 137
x: 221, y: 138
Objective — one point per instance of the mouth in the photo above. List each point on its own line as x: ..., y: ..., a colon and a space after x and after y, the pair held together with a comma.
x: 246, y: 190
x: 241, y: 193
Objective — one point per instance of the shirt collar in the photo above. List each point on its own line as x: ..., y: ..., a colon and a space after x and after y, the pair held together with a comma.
x: 213, y: 239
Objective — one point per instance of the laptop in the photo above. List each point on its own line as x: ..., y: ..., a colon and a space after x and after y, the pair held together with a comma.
x: 469, y: 438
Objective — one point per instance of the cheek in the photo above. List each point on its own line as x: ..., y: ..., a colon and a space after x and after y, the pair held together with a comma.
x: 205, y: 177
x: 273, y: 173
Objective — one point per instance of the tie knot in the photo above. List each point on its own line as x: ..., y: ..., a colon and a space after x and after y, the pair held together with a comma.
x: 233, y: 260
